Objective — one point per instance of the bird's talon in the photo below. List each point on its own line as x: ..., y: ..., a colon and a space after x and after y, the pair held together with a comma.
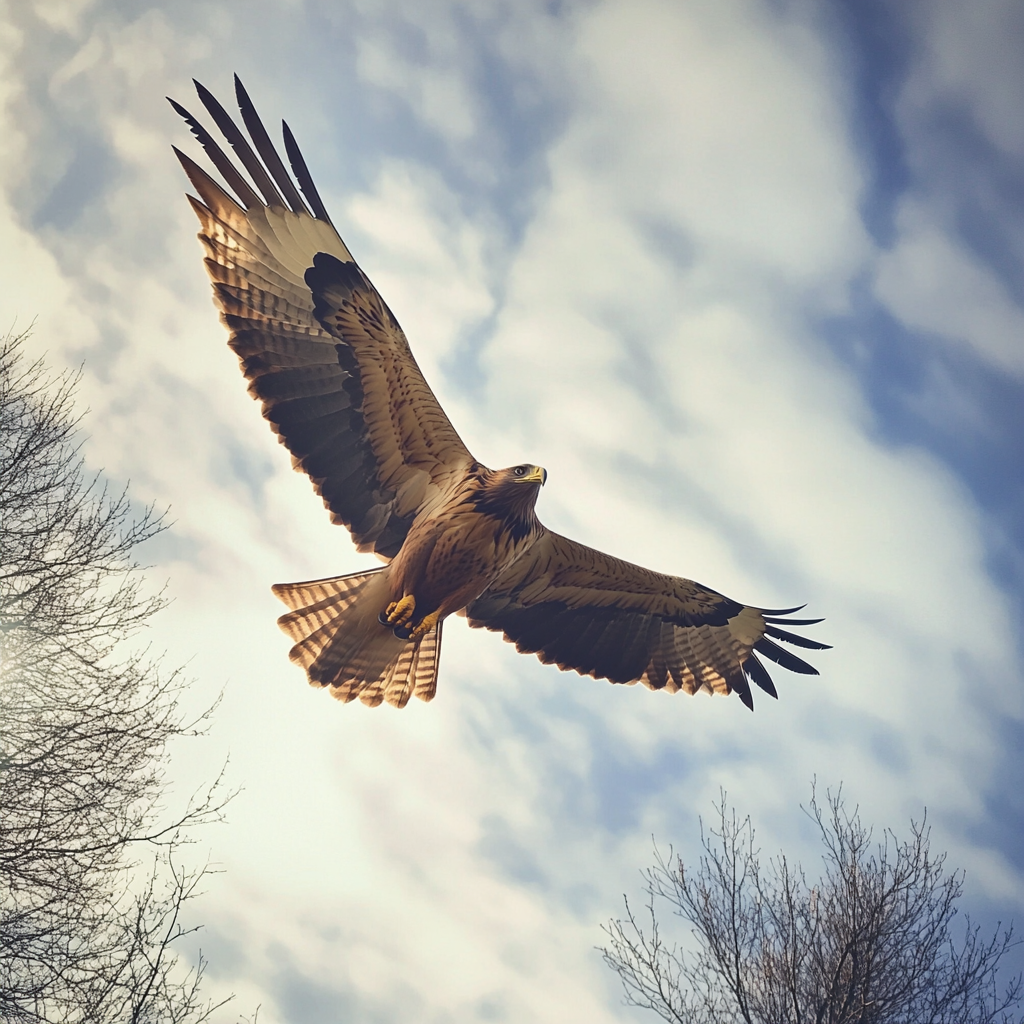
x: 399, y: 613
x: 427, y: 623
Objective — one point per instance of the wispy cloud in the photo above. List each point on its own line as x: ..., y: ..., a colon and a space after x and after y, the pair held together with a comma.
x: 627, y: 241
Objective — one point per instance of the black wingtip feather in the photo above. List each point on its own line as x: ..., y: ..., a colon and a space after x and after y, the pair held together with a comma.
x: 783, y: 657
x: 242, y: 189
x: 266, y: 149
x: 744, y: 694
x: 759, y: 675
x: 781, y: 611
x: 303, y: 176
x: 214, y: 198
x: 796, y: 641
x: 791, y: 622
x: 242, y: 149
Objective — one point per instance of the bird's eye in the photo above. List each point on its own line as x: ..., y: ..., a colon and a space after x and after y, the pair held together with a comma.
x: 519, y: 470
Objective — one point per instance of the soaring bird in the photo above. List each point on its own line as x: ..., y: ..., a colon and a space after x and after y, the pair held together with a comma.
x: 327, y: 360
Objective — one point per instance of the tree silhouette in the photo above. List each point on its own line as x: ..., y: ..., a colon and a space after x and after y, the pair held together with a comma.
x: 87, y: 933
x: 871, y: 942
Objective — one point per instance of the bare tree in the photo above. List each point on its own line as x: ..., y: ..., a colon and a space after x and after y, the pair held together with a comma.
x: 871, y: 942
x: 87, y: 932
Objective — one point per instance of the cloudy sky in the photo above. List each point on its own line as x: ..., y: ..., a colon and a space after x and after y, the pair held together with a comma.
x: 745, y: 276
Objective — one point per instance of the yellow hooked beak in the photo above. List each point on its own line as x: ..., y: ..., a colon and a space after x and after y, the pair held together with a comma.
x: 536, y: 475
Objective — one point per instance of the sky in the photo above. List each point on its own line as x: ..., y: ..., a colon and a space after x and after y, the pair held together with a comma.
x: 745, y: 276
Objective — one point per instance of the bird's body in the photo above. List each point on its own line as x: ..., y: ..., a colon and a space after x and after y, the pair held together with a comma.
x: 340, y: 387
x: 452, y: 555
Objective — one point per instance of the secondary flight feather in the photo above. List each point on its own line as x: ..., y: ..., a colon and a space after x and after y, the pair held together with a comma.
x: 337, y: 381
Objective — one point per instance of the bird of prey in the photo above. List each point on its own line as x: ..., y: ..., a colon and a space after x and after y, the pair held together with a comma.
x: 327, y: 360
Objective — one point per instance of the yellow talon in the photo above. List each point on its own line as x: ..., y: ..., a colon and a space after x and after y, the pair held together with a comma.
x: 399, y: 613
x: 427, y: 623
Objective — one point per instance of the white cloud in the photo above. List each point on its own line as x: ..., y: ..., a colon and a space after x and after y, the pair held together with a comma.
x: 931, y: 282
x: 958, y: 242
x: 454, y: 860
x: 970, y: 56
x: 437, y: 96
x: 774, y: 483
x: 434, y: 269
x: 724, y: 119
x: 420, y: 55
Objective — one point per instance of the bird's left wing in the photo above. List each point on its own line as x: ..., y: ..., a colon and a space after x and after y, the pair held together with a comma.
x: 582, y: 609
x: 319, y: 346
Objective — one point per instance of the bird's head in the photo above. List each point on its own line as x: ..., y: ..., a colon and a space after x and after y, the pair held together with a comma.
x: 525, y: 474
x: 517, y: 486
x: 511, y: 493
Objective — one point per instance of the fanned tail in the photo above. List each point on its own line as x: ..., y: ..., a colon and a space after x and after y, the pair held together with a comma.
x: 341, y: 645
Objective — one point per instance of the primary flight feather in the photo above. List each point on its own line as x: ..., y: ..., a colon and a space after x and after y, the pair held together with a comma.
x: 339, y: 385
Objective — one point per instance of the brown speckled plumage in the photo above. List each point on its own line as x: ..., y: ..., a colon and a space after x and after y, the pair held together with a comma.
x: 339, y: 385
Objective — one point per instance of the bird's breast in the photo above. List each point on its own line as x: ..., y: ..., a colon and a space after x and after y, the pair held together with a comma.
x: 452, y: 558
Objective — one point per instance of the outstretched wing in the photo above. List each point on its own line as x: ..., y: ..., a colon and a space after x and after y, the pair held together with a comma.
x: 320, y: 348
x: 582, y: 609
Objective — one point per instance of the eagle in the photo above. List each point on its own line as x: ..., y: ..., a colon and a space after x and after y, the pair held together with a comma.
x: 337, y: 381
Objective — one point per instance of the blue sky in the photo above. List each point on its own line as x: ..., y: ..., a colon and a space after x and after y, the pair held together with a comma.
x: 745, y: 277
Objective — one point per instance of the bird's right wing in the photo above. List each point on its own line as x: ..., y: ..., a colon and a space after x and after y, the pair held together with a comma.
x: 321, y: 350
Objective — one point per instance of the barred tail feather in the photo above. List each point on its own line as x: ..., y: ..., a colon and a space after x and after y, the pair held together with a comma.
x: 340, y: 643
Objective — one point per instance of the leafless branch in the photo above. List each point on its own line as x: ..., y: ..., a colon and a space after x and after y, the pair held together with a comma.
x: 872, y: 942
x: 86, y: 932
